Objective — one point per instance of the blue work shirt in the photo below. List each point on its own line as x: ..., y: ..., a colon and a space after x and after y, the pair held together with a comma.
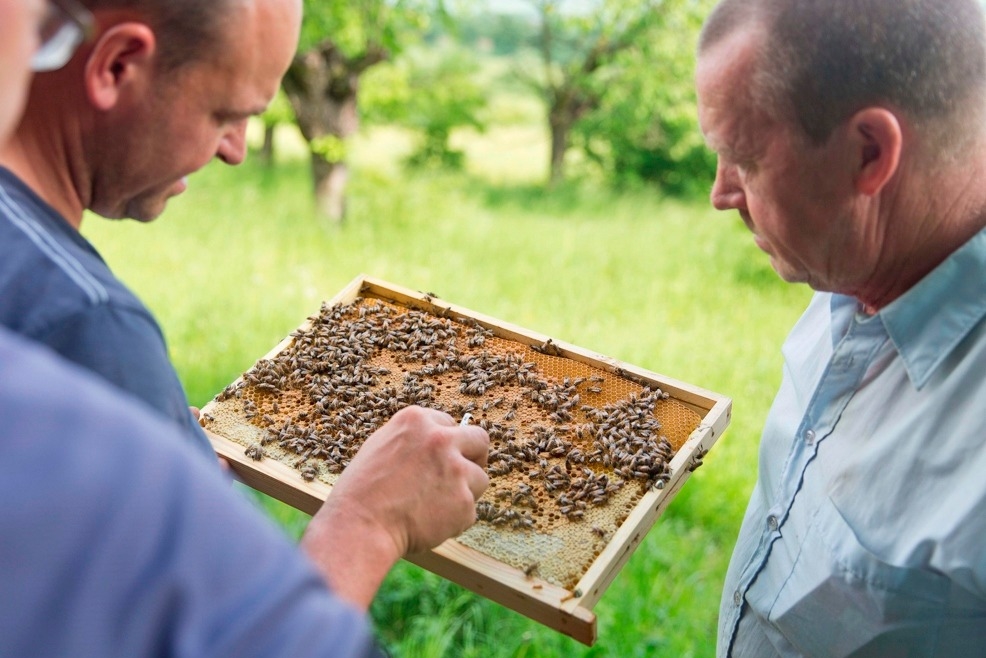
x: 866, y: 531
x: 118, y: 539
x: 57, y: 290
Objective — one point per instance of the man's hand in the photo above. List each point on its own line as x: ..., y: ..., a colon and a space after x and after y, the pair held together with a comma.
x: 413, y: 484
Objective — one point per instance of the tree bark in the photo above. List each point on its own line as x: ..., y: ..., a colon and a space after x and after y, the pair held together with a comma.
x: 567, y: 89
x: 561, y: 128
x: 267, y: 148
x: 568, y: 104
x: 322, y: 85
x: 330, y: 179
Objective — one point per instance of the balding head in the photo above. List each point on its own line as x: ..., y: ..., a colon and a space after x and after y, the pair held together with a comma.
x: 163, y: 87
x: 187, y: 30
x: 822, y: 61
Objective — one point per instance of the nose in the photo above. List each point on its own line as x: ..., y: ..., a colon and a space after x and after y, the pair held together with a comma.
x: 232, y: 144
x: 727, y: 191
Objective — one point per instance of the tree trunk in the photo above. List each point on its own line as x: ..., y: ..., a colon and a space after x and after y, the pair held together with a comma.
x: 561, y: 128
x: 330, y: 180
x: 322, y: 85
x: 267, y: 149
x: 568, y: 105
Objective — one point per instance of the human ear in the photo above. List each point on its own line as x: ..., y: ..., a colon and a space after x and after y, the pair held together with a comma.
x: 877, y: 139
x: 121, y: 59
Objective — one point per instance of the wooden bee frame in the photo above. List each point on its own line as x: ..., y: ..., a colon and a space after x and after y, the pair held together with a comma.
x: 568, y: 610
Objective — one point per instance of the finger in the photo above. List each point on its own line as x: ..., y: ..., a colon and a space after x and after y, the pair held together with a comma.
x: 477, y: 480
x: 474, y: 443
x: 440, y: 417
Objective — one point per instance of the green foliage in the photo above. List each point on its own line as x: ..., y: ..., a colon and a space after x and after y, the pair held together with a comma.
x: 642, y: 127
x: 669, y: 286
x: 646, y: 127
x: 385, y: 91
x: 433, y: 92
x: 444, y: 97
x: 328, y: 147
x: 279, y: 112
x: 494, y: 33
x: 352, y: 25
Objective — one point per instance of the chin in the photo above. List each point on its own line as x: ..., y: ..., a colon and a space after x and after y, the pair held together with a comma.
x: 786, y: 272
x: 145, y: 210
x: 792, y: 276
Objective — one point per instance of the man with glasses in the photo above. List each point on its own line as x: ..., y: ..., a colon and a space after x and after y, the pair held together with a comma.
x: 155, y: 90
x: 65, y: 26
x: 119, y: 540
x: 116, y: 130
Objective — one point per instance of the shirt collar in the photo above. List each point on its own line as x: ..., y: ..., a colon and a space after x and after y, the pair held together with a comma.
x: 928, y: 321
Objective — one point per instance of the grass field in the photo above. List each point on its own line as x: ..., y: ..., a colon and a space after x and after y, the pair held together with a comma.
x: 240, y: 260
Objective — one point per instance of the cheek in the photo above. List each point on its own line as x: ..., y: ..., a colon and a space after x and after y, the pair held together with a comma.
x: 187, y: 148
x: 203, y: 142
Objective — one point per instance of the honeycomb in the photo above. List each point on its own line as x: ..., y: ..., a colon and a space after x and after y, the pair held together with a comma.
x: 572, y: 447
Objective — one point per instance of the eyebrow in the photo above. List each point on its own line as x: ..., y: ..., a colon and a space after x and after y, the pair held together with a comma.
x: 718, y: 147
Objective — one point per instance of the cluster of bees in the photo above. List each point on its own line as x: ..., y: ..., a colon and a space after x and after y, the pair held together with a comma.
x: 557, y: 450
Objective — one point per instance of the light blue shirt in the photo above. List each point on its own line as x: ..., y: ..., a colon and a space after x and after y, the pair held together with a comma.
x: 866, y: 531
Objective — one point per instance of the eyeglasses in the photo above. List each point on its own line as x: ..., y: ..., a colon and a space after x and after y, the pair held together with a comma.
x: 65, y: 26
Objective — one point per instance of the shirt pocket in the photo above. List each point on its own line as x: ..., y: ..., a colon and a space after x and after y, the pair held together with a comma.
x: 840, y: 599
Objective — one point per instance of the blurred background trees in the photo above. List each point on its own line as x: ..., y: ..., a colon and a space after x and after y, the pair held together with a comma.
x: 578, y: 54
x: 340, y: 40
x: 611, y: 81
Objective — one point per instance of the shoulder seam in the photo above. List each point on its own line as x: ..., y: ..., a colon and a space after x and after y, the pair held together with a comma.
x: 53, y: 250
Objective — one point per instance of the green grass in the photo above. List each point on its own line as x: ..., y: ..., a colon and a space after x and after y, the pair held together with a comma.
x: 240, y: 260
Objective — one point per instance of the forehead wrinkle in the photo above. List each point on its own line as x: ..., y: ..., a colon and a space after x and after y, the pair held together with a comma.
x: 728, y: 103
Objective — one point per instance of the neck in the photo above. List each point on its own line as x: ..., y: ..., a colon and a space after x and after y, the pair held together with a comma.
x: 41, y: 153
x: 922, y: 229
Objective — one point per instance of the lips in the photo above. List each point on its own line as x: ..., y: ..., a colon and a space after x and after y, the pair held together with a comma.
x: 761, y: 243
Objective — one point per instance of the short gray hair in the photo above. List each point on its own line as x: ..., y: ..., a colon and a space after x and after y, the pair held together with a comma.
x: 824, y: 60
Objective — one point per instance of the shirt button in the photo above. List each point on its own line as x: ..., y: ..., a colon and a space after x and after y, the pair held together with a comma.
x: 772, y: 522
x: 810, y: 437
x: 737, y: 597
